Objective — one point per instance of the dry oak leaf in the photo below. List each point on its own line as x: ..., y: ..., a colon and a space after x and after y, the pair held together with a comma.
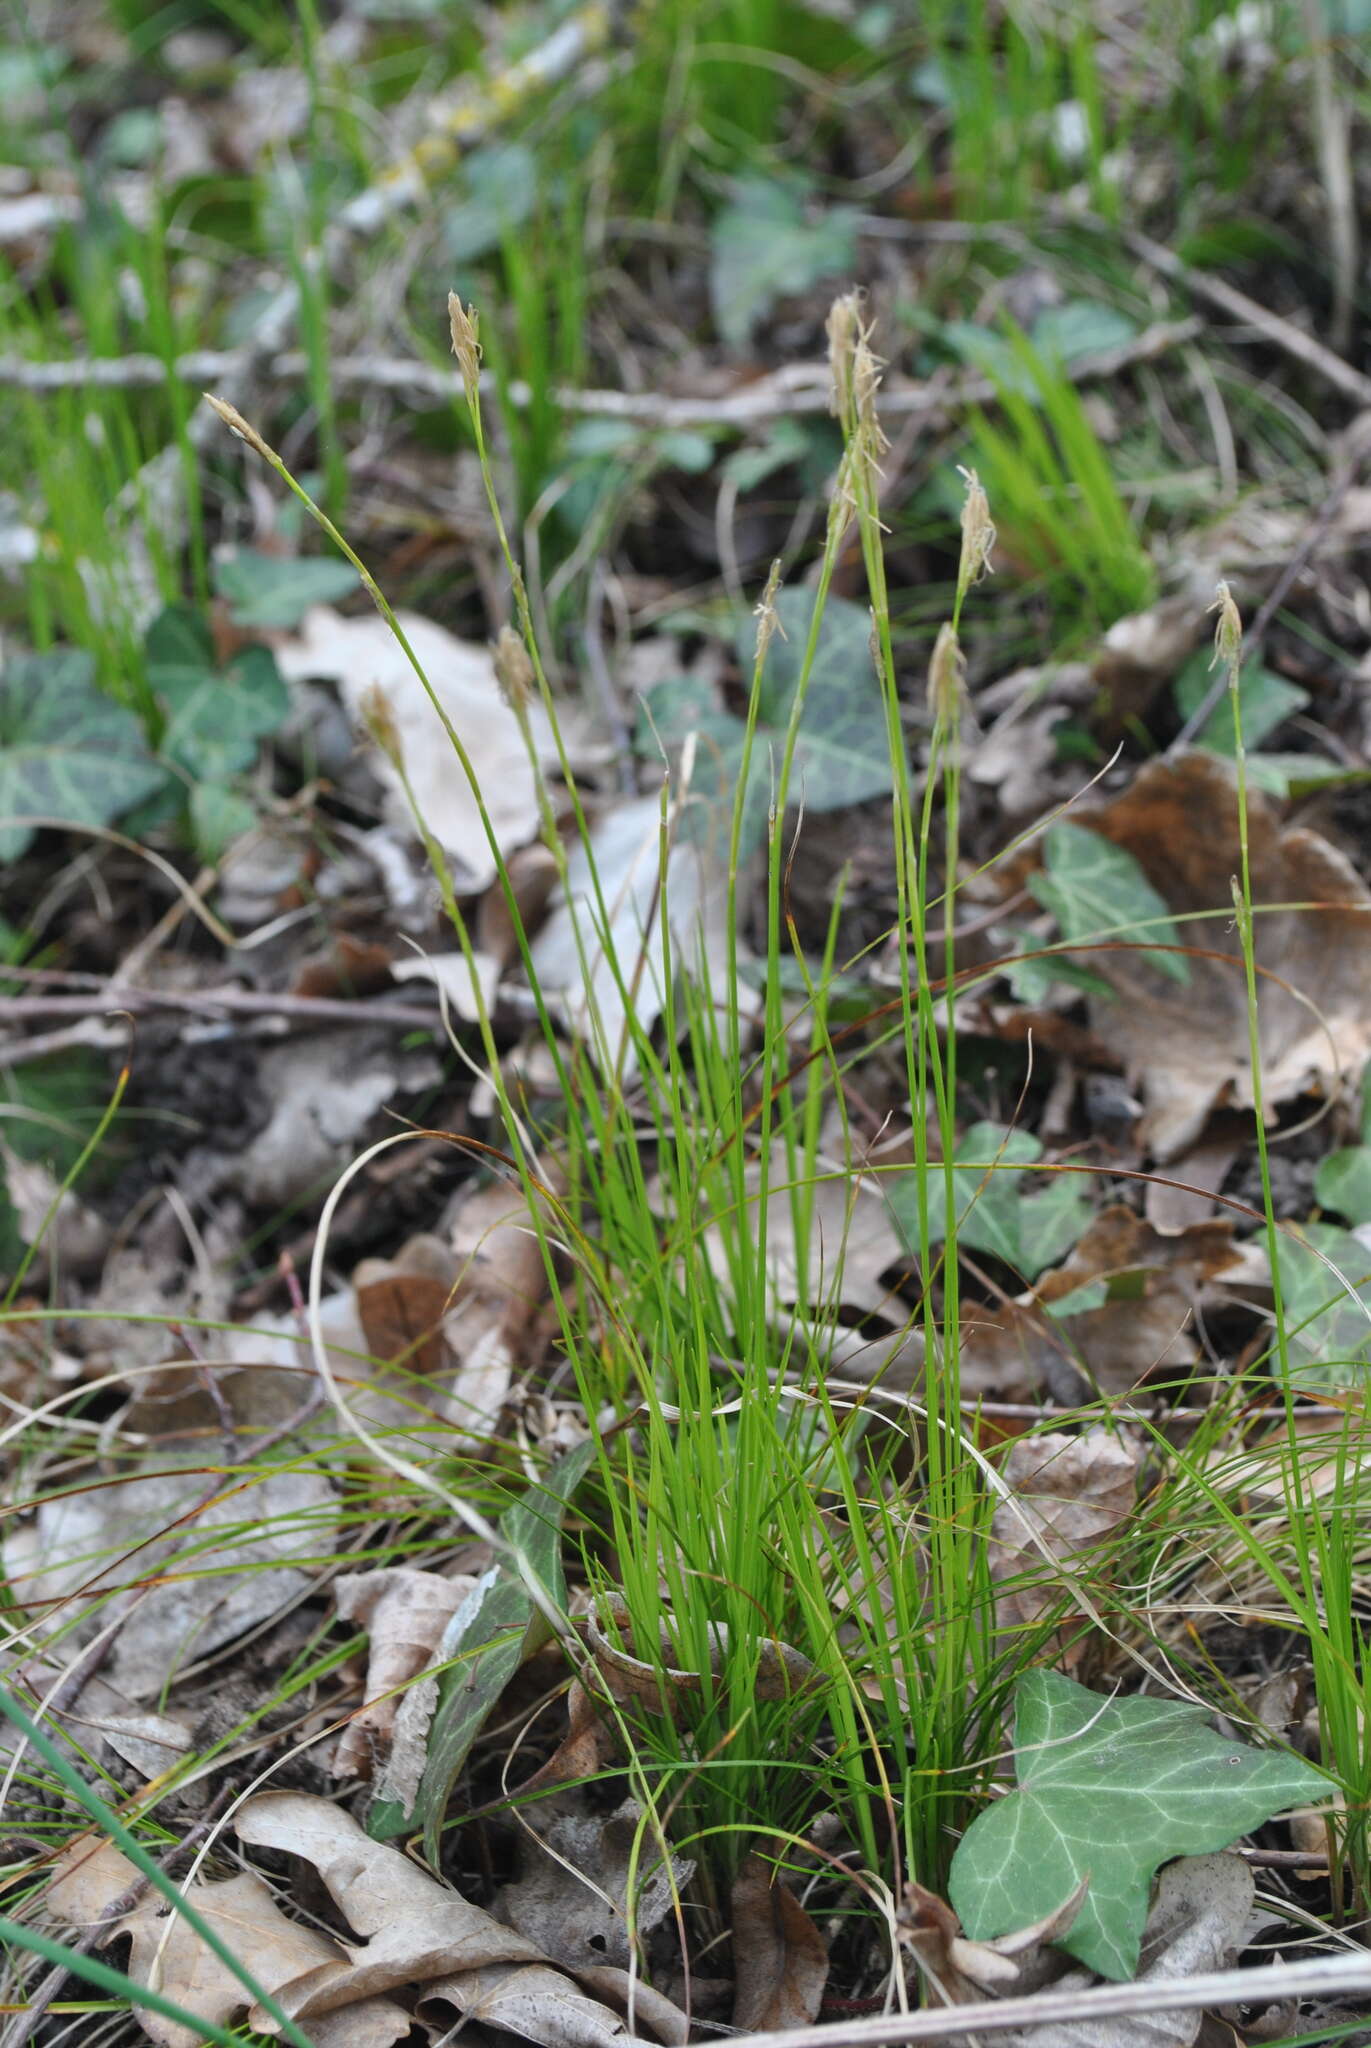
x: 410, y: 1929
x: 532, y: 2000
x: 363, y: 655
x: 1185, y: 1045
x: 584, y: 1922
x: 783, y: 1673
x: 1069, y: 1493
x: 1155, y: 1277
x: 405, y: 1613
x: 961, y: 1971
x: 779, y: 1956
x: 169, y: 1955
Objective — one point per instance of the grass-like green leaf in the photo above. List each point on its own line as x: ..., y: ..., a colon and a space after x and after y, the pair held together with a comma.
x: 1109, y: 1790
x: 1095, y: 889
x: 489, y: 1636
x: 66, y: 750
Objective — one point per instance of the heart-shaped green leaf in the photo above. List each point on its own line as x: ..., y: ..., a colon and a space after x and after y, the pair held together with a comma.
x: 1028, y: 1231
x: 218, y: 716
x: 1109, y: 1790
x: 269, y: 591
x: 765, y: 247
x: 67, y: 751
x: 1095, y: 889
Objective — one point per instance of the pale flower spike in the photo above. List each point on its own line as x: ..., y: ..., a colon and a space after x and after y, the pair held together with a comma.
x: 946, y: 678
x: 767, y: 617
x: 978, y: 534
x: 466, y: 343
x: 513, y: 669
x: 1227, y: 634
x: 236, y: 424
x: 843, y: 328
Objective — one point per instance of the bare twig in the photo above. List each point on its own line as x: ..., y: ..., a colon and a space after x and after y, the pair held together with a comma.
x: 1282, y: 334
x: 212, y: 1002
x: 794, y: 388
x: 1100, y: 2001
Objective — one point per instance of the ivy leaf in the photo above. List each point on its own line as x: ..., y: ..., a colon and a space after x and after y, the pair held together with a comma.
x: 1343, y: 1182
x: 1266, y: 700
x: 67, y: 751
x: 841, y: 757
x: 1093, y: 887
x: 1301, y: 774
x: 501, y: 193
x: 218, y: 816
x: 489, y: 1636
x: 1029, y: 1232
x: 1329, y: 1322
x: 764, y: 248
x: 215, y: 717
x: 1109, y: 1790
x: 270, y: 591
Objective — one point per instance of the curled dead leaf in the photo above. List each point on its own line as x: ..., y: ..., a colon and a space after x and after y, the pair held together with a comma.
x: 1120, y: 1308
x: 409, y: 1928
x: 1068, y: 1494
x: 782, y: 1672
x: 779, y: 1955
x: 92, y: 1876
x: 405, y: 1613
x: 1185, y: 1045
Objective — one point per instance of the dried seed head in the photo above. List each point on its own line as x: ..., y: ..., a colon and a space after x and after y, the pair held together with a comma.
x: 379, y: 719
x: 514, y: 671
x: 466, y: 344
x: 947, y: 679
x: 766, y: 615
x: 844, y: 329
x: 866, y: 382
x: 978, y: 535
x: 236, y: 424
x: 1227, y: 634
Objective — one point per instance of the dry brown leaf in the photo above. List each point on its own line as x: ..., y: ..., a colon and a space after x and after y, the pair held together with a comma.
x: 581, y: 1921
x: 852, y: 1240
x: 584, y: 978
x: 405, y: 1613
x: 1014, y: 1351
x: 197, y: 1566
x: 323, y: 1090
x: 167, y: 1952
x: 532, y: 2000
x: 409, y: 1928
x: 778, y: 1953
x: 372, y: 2023
x: 1070, y: 1492
x: 783, y: 1673
x: 460, y: 1314
x: 1185, y: 1046
x: 640, y: 2004
x: 960, y: 1971
x: 364, y: 656
x: 1198, y: 1922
